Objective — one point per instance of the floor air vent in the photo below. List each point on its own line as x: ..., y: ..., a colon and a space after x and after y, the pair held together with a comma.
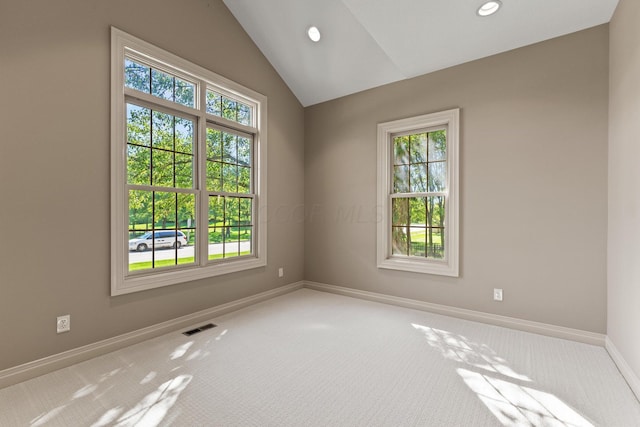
x: 199, y: 329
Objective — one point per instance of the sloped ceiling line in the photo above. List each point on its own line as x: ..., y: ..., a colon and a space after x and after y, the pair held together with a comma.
x: 368, y: 43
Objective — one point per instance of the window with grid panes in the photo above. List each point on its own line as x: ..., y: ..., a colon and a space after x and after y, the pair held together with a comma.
x: 229, y: 184
x: 188, y: 173
x: 417, y: 188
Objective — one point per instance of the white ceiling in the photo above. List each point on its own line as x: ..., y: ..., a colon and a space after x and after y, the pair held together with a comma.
x: 368, y: 43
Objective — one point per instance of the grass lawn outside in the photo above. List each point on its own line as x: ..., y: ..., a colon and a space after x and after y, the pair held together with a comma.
x: 421, y: 236
x: 146, y: 265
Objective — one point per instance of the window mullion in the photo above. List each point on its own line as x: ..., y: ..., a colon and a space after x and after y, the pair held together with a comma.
x: 160, y: 188
x: 227, y: 194
x: 230, y: 124
x: 154, y: 100
x: 203, y: 197
x: 425, y: 194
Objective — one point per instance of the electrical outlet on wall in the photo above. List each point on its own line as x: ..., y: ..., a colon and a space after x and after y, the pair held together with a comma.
x: 497, y: 294
x: 281, y: 272
x: 63, y: 323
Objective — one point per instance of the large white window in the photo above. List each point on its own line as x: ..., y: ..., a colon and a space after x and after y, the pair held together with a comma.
x: 418, y: 193
x: 188, y: 171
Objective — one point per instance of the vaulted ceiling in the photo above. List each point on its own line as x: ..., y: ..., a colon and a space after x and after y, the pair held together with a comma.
x: 368, y: 43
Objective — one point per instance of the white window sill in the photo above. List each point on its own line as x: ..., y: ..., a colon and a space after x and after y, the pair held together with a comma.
x: 417, y: 265
x: 156, y: 279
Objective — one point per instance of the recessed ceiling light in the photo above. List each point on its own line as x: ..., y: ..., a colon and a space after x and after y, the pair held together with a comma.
x: 314, y: 34
x: 489, y: 8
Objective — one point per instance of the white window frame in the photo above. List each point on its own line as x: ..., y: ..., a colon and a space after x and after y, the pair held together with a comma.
x: 449, y: 266
x: 123, y: 282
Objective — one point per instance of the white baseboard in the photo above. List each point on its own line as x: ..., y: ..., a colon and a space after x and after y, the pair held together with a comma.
x: 624, y: 368
x: 62, y: 360
x: 478, y: 316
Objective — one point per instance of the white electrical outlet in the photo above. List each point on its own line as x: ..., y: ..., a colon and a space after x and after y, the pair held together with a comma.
x: 497, y: 294
x: 63, y: 324
x: 281, y: 272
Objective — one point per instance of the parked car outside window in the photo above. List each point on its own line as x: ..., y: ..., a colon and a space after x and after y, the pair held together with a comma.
x: 161, y: 239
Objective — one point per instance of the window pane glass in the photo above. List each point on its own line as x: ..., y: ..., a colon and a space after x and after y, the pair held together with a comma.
x: 158, y: 83
x: 400, y: 209
x: 229, y: 152
x: 232, y: 211
x: 228, y: 108
x: 162, y: 130
x: 401, y: 150
x: 162, y: 229
x: 435, y: 223
x: 230, y: 229
x: 436, y: 211
x: 138, y: 125
x: 232, y: 247
x: 418, y: 148
x: 246, y: 242
x: 234, y: 173
x: 214, y: 144
x: 214, y: 103
x: 162, y: 85
x: 162, y: 169
x: 140, y: 214
x: 185, y: 92
x: 410, y: 221
x: 138, y: 165
x: 214, y: 176
x: 244, y: 114
x: 186, y: 211
x: 229, y: 178
x: 401, y: 179
x: 184, y: 135
x: 417, y: 245
x: 399, y: 242
x: 246, y: 211
x: 186, y: 253
x: 435, y: 243
x: 136, y: 76
x: 164, y: 204
x: 140, y: 257
x: 244, y: 180
x: 163, y: 255
x: 187, y: 225
x: 417, y: 211
x: 438, y: 176
x: 418, y: 178
x: 216, y: 227
x: 438, y: 145
x: 184, y: 171
x: 244, y: 151
x: 138, y: 246
x: 216, y: 245
x: 172, y: 138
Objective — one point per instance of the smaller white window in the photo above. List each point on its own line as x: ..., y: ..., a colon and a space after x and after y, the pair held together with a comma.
x: 418, y: 193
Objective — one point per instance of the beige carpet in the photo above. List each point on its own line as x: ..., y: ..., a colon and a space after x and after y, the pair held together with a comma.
x: 316, y: 359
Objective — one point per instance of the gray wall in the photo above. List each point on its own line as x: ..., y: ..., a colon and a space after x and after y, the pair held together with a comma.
x: 533, y: 183
x: 54, y: 167
x: 623, y: 270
